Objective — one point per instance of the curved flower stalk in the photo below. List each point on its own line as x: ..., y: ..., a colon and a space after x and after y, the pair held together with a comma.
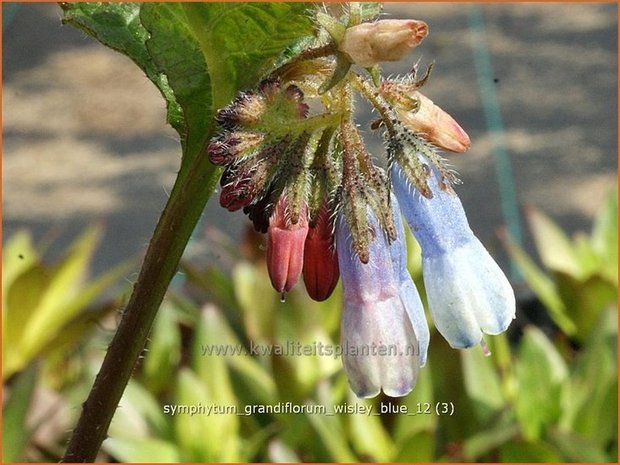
x: 380, y: 348
x: 468, y: 294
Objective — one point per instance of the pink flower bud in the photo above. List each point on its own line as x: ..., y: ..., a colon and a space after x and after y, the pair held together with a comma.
x: 320, y: 270
x: 435, y: 125
x: 285, y: 247
x: 387, y: 40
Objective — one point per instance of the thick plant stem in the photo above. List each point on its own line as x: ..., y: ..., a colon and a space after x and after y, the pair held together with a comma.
x: 184, y: 207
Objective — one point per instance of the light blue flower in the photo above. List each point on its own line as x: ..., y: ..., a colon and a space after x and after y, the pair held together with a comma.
x: 467, y: 292
x: 408, y: 292
x: 380, y: 349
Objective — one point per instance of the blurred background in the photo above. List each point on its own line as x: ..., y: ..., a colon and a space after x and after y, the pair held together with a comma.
x: 87, y: 164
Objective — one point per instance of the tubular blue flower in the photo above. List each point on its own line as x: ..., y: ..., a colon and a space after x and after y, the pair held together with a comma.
x: 408, y: 292
x: 468, y: 294
x: 380, y: 349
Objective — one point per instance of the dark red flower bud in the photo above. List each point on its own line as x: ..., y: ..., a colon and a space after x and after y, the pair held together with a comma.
x: 238, y: 193
x: 320, y: 270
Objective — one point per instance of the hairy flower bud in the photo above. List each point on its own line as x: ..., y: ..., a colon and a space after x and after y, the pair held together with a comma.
x: 435, y: 125
x: 320, y: 269
x: 230, y: 146
x: 246, y: 110
x: 285, y: 247
x: 368, y: 44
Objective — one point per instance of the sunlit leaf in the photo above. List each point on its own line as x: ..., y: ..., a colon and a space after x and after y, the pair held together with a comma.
x: 542, y: 285
x: 163, y: 351
x: 369, y: 436
x: 542, y: 375
x: 132, y: 450
x: 15, y: 432
x: 528, y: 452
x: 482, y: 384
x: 575, y: 448
x: 555, y: 249
x: 605, y: 235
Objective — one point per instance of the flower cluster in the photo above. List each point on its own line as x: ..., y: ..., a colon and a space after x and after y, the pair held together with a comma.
x: 296, y: 163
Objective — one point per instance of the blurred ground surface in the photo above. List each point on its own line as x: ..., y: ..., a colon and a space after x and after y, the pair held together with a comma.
x: 85, y: 137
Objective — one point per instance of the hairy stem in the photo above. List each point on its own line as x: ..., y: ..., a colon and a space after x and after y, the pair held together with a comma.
x: 184, y: 207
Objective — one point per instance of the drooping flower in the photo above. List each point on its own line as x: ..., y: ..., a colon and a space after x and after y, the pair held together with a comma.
x: 468, y: 294
x: 380, y: 348
x: 408, y: 292
x: 386, y: 40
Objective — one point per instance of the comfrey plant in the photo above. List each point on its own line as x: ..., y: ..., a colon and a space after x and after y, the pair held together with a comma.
x: 297, y: 165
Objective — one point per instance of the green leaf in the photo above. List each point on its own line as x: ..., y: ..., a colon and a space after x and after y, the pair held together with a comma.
x: 175, y: 51
x: 575, y: 448
x: 136, y: 450
x: 418, y: 448
x: 605, y: 235
x: 407, y: 426
x: 205, y: 437
x: 331, y: 434
x: 588, y: 299
x: 482, y: 384
x: 528, y: 452
x: 118, y: 26
x: 554, y: 248
x: 369, y: 436
x: 53, y: 309
x: 541, y: 285
x: 214, y: 376
x: 240, y: 41
x: 139, y: 415
x: 163, y: 350
x: 590, y: 404
x: 18, y: 255
x: 485, y: 441
x: 22, y: 299
x: 541, y: 374
x: 15, y: 432
x: 257, y: 301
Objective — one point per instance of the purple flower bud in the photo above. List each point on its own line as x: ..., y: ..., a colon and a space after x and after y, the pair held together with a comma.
x: 380, y: 349
x: 468, y: 294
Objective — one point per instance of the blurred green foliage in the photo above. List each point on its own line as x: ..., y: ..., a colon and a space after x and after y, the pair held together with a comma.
x: 540, y: 399
x: 47, y: 312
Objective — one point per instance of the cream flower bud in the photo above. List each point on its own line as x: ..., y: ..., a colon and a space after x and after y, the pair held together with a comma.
x: 435, y: 125
x: 387, y: 40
